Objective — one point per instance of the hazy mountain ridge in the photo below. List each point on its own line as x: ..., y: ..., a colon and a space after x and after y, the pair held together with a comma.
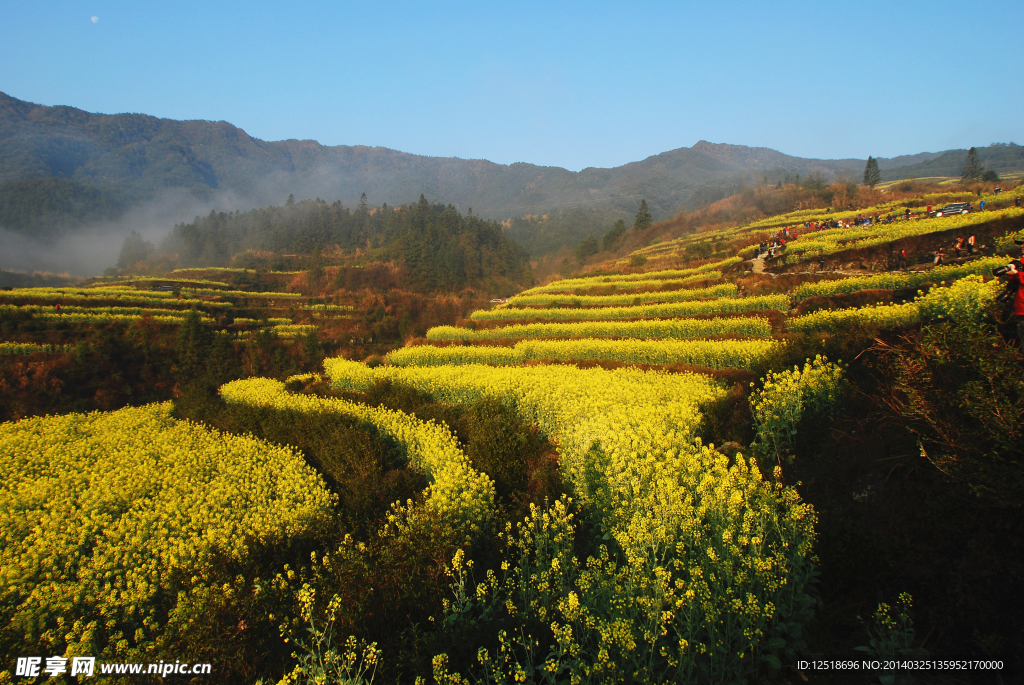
x: 1001, y: 158
x: 135, y: 156
x: 137, y: 161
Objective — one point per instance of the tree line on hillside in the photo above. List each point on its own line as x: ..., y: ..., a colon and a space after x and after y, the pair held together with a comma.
x: 439, y: 248
x: 973, y: 170
x: 590, y: 246
x: 49, y: 206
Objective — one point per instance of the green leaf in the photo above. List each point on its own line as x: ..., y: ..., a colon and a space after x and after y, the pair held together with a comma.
x: 776, y: 643
x: 772, y: 661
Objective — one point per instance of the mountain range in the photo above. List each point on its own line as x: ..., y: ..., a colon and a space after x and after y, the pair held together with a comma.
x: 60, y: 166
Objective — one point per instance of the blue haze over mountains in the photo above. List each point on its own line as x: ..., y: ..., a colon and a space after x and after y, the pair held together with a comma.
x: 66, y: 173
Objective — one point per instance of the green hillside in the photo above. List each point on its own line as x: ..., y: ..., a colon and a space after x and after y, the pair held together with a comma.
x: 1001, y: 157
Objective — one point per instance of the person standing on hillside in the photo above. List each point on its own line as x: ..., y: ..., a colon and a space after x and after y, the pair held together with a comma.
x: 970, y: 244
x: 1015, y: 278
x: 903, y: 258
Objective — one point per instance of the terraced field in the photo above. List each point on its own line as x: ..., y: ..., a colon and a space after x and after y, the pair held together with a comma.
x: 700, y: 564
x: 625, y: 434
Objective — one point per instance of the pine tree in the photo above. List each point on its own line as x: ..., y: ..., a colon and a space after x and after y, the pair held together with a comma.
x: 612, y: 236
x: 871, y: 173
x: 586, y: 248
x: 643, y: 217
x: 972, y: 167
x: 134, y: 249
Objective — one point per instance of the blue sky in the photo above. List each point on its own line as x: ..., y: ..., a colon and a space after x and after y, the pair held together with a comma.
x: 554, y: 83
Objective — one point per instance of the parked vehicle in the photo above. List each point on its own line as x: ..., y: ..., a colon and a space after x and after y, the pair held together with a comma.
x: 951, y: 209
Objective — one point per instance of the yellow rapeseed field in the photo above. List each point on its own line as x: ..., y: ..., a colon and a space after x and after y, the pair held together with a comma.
x: 105, y: 516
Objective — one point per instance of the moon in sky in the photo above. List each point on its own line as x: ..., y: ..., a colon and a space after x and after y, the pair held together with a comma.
x: 95, y: 19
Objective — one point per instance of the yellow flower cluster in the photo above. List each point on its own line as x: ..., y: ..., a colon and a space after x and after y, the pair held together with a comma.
x: 712, y: 354
x: 709, y: 548
x: 239, y: 293
x: 103, y: 516
x: 883, y: 316
x: 645, y: 285
x: 89, y: 316
x: 617, y: 279
x: 896, y: 280
x: 118, y: 294
x: 285, y: 330
x: 682, y: 295
x: 327, y: 308
x: 750, y: 326
x: 720, y: 306
x: 968, y: 299
x: 784, y: 397
x: 456, y: 488
x: 189, y: 281
x: 227, y: 270
x: 215, y: 269
x: 30, y: 347
x: 74, y: 314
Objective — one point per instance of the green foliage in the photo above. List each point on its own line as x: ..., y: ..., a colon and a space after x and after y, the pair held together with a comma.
x: 192, y: 347
x: 643, y: 218
x: 554, y: 229
x: 990, y: 176
x: 320, y: 662
x: 637, y: 260
x: 871, y: 173
x: 1001, y: 157
x: 586, y: 248
x: 134, y: 249
x: 972, y: 167
x: 956, y: 386
x: 106, y: 368
x: 701, y: 250
x: 52, y: 205
x: 613, y: 236
x: 891, y: 637
x: 439, y: 248
x: 15, y: 279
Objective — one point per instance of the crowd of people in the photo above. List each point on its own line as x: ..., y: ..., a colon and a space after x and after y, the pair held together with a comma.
x: 777, y: 243
x: 961, y: 246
